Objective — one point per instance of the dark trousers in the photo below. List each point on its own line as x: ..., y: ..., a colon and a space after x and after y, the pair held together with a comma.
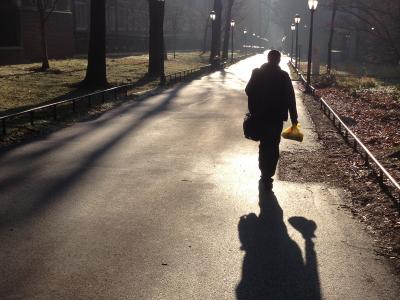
x: 269, y: 150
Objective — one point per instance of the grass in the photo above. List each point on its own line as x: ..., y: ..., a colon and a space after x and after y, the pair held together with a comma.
x: 362, y: 76
x: 23, y: 86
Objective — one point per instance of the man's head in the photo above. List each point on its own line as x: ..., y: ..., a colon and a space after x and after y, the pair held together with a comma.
x: 274, y: 57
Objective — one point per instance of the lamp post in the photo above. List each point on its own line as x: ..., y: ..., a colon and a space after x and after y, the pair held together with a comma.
x: 232, y: 25
x: 245, y: 39
x: 312, y: 5
x: 216, y: 33
x: 292, y: 28
x: 297, y: 22
x: 212, y: 15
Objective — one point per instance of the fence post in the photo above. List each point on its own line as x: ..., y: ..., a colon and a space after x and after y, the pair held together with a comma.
x: 31, y: 117
x: 380, y: 177
x: 366, y: 159
x: 3, y: 122
x: 55, y: 112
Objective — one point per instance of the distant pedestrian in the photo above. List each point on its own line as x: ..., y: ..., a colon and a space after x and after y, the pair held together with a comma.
x: 270, y: 98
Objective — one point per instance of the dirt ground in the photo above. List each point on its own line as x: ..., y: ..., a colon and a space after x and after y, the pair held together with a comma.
x: 337, y: 165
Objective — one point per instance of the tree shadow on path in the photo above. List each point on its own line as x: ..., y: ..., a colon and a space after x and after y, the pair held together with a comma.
x: 20, y: 208
x: 273, y: 266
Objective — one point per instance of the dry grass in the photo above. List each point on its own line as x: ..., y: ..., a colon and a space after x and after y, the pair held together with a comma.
x: 362, y: 76
x: 23, y: 86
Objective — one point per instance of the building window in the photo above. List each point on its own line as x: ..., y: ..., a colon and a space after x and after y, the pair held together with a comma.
x: 131, y: 20
x: 63, y: 5
x: 111, y: 19
x: 9, y: 24
x: 60, y: 5
x: 122, y: 15
x: 81, y: 15
x: 29, y: 3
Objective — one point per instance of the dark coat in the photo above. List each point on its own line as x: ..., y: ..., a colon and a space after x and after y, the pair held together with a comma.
x: 271, y: 95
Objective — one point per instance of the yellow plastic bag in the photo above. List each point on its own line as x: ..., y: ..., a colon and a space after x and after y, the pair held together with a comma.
x: 293, y: 133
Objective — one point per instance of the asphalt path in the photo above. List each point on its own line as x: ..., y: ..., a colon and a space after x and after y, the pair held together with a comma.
x: 159, y: 199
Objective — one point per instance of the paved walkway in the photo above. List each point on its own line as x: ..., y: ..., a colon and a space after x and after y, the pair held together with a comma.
x: 159, y: 199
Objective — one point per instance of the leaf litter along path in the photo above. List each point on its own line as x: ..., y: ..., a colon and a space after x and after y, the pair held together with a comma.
x: 336, y: 164
x: 376, y: 120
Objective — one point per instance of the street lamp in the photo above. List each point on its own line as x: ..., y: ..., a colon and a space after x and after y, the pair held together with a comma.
x: 297, y: 22
x: 212, y: 15
x: 292, y: 28
x: 215, y: 17
x: 245, y: 39
x: 312, y: 5
x: 232, y: 25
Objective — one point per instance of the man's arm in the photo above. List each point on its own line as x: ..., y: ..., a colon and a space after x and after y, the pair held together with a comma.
x: 250, y: 92
x: 291, y: 100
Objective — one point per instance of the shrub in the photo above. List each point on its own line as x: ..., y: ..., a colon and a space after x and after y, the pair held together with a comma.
x: 367, y: 82
x: 325, y: 81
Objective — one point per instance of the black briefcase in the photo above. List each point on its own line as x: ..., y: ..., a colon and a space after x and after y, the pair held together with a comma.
x: 250, y: 128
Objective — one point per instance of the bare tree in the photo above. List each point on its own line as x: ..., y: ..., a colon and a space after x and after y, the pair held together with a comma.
x: 379, y: 22
x: 331, y: 34
x: 96, y: 73
x: 205, y: 34
x: 228, y: 18
x: 45, y: 9
x: 216, y: 32
x: 156, y: 39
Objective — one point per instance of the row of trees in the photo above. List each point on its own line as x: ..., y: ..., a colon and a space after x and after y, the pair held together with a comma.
x: 96, y: 70
x: 96, y: 73
x: 372, y: 28
x: 380, y: 22
x: 180, y: 14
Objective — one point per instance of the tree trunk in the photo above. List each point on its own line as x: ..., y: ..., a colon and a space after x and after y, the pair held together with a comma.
x: 216, y: 33
x: 156, y: 40
x: 165, y: 51
x: 96, y: 74
x: 330, y: 41
x: 43, y: 35
x: 205, y: 35
x: 225, y: 48
x: 331, y: 34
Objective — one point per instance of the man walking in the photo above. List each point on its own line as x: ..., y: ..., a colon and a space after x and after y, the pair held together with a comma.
x: 270, y: 97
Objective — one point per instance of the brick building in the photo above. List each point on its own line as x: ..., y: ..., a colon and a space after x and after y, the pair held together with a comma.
x: 68, y: 29
x: 126, y: 25
x: 20, y: 33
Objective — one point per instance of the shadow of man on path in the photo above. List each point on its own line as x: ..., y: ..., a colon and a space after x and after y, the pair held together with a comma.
x: 273, y: 267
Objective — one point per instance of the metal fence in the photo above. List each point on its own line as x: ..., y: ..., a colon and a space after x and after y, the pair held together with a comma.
x: 51, y: 111
x: 387, y: 182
